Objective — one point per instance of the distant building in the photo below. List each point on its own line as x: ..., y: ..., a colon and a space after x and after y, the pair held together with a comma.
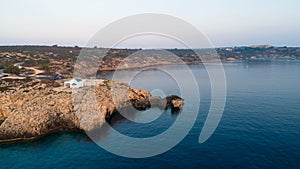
x: 74, y: 83
x: 19, y: 65
x: 261, y: 46
x: 228, y: 49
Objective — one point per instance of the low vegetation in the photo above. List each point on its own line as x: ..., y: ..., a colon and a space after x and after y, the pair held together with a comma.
x: 44, y: 67
x: 12, y: 69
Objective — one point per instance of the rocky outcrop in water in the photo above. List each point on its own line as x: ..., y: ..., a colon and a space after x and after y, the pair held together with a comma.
x: 34, y: 111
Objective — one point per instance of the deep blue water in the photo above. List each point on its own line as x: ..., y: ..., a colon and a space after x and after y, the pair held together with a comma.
x: 260, y: 127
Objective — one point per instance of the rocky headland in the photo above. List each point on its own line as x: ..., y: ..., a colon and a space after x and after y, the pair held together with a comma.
x: 30, y: 109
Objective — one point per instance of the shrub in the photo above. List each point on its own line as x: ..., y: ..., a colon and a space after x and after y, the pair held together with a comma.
x: 44, y: 67
x: 12, y: 69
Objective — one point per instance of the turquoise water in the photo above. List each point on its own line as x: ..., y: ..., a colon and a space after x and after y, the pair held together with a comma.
x: 260, y: 127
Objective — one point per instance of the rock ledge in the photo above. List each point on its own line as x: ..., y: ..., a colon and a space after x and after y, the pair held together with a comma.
x: 30, y: 113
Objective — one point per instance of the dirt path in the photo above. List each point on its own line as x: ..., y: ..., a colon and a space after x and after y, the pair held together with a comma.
x: 36, y: 71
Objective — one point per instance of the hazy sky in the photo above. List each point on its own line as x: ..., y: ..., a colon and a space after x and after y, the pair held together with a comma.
x: 224, y: 22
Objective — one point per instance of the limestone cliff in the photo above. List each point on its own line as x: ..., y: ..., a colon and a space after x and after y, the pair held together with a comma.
x: 28, y: 113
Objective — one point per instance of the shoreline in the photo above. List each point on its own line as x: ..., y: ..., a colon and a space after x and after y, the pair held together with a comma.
x: 198, y: 62
x: 35, y: 113
x: 51, y: 131
x: 159, y: 64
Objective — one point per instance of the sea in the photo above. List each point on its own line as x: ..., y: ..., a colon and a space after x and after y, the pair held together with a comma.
x: 259, y: 127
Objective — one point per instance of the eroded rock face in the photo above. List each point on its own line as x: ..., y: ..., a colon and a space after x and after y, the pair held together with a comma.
x: 177, y: 103
x: 36, y: 112
x: 174, y: 101
x: 28, y: 113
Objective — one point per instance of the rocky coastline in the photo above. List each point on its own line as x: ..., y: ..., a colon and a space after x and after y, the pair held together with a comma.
x: 28, y: 113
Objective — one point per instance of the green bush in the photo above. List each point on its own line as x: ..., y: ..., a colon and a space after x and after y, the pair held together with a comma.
x: 44, y: 67
x: 12, y: 69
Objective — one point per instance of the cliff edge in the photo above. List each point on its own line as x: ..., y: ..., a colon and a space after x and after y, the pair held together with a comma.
x: 31, y: 112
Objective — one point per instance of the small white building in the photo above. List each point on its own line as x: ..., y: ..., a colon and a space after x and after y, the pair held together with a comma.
x: 74, y: 83
x: 19, y: 65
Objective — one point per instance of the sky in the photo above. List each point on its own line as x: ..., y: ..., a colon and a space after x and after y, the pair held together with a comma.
x: 223, y: 22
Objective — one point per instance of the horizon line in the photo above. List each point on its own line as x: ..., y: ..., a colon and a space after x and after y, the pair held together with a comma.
x: 96, y: 47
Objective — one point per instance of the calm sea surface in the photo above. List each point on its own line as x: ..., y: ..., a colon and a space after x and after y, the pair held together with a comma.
x: 260, y: 127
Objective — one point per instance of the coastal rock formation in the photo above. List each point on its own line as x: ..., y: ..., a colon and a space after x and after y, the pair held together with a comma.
x: 34, y: 111
x: 174, y: 101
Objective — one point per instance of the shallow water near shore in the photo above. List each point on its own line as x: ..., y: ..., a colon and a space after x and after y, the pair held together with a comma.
x: 260, y: 127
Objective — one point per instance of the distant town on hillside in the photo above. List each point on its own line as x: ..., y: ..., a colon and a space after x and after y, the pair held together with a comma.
x: 56, y: 60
